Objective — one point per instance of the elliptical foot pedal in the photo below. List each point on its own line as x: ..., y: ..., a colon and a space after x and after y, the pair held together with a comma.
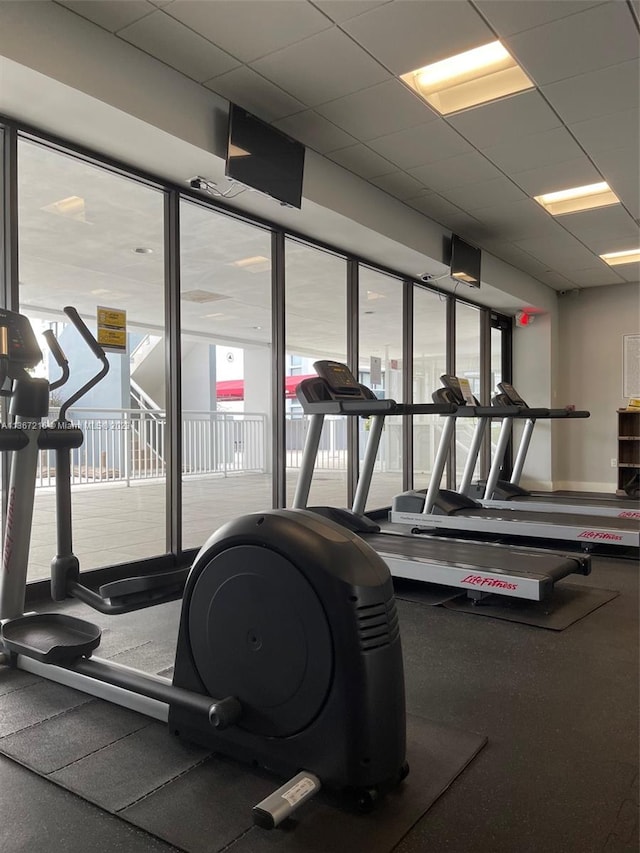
x: 51, y: 637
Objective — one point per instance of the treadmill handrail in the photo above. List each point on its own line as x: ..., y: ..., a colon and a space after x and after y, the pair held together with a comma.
x: 487, y: 412
x: 364, y: 408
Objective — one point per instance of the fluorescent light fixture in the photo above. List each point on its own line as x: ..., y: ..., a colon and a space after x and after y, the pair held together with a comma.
x: 73, y: 207
x: 258, y: 263
x: 371, y: 295
x: 577, y: 199
x: 468, y: 79
x: 614, y: 259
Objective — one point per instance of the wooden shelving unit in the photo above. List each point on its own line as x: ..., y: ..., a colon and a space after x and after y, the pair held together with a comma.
x: 628, y: 447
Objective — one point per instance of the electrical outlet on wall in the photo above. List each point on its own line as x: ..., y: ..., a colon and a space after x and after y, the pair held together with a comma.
x: 614, y: 463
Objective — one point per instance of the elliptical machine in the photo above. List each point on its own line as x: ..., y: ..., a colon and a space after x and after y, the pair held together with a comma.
x: 287, y: 618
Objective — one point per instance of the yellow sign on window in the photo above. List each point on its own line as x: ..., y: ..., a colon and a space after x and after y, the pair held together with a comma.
x: 112, y: 329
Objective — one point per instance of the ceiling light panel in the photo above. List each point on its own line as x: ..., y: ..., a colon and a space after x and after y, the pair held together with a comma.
x: 469, y: 79
x: 578, y: 198
x: 614, y: 259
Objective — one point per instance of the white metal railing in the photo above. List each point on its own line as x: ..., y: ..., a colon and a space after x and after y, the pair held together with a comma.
x: 125, y: 445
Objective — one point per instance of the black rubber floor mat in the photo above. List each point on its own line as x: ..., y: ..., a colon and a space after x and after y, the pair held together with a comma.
x: 569, y: 604
x: 422, y: 593
x: 210, y: 806
x: 132, y: 767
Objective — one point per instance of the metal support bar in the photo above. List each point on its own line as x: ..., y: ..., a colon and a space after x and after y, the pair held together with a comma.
x: 19, y: 518
x: 368, y: 463
x: 353, y: 349
x: 472, y: 458
x: 501, y: 449
x: 173, y: 375
x: 309, y: 454
x: 523, y: 448
x: 442, y: 455
x: 407, y: 384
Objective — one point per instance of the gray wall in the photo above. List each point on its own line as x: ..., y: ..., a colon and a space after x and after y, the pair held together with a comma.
x: 592, y: 323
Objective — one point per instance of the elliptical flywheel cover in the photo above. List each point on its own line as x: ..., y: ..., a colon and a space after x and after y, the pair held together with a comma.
x: 258, y: 632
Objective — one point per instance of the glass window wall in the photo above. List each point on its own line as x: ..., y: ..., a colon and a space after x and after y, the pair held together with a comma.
x: 381, y: 367
x: 225, y: 309
x: 90, y: 238
x: 467, y: 361
x: 429, y: 363
x: 315, y: 329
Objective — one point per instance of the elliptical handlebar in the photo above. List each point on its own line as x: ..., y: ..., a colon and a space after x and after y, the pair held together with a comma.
x: 60, y: 358
x: 96, y: 349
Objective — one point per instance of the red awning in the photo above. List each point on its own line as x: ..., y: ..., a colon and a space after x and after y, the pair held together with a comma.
x: 233, y: 389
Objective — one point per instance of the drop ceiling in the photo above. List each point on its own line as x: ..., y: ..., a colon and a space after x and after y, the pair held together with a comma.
x: 326, y: 73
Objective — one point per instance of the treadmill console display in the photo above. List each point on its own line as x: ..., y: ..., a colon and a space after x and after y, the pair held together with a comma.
x: 460, y: 389
x: 18, y: 343
x: 514, y: 398
x: 338, y: 377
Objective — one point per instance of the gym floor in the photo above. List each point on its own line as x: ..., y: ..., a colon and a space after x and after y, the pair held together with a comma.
x: 560, y: 710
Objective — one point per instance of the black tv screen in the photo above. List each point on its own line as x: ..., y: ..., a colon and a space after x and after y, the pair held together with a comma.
x: 465, y: 262
x: 264, y: 158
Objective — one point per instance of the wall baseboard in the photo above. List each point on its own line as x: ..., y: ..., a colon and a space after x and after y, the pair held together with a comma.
x: 573, y: 486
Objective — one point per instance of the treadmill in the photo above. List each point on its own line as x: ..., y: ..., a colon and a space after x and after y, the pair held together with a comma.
x: 453, y: 512
x: 500, y: 494
x: 479, y: 569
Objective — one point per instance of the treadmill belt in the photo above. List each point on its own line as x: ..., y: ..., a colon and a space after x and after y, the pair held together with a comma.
x: 567, y: 519
x: 472, y: 555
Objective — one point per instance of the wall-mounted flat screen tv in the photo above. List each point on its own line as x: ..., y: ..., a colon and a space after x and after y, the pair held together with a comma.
x: 264, y: 158
x: 465, y: 262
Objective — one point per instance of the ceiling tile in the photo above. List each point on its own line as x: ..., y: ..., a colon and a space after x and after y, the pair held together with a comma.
x: 110, y: 14
x: 557, y: 176
x: 537, y: 149
x: 608, y: 229
x: 261, y: 28
x: 609, y: 90
x: 596, y: 276
x: 434, y: 205
x: 519, y: 258
x: 419, y: 145
x: 342, y: 10
x: 244, y: 87
x: 398, y: 184
x: 629, y: 272
x: 375, y: 111
x: 556, y: 280
x: 322, y: 68
x: 560, y: 251
x: 601, y: 36
x: 315, y: 131
x: 475, y: 196
x: 516, y: 220
x: 405, y: 34
x: 605, y: 132
x: 509, y: 18
x: 510, y: 118
x: 362, y: 161
x: 456, y: 171
x: 621, y: 168
x: 178, y: 46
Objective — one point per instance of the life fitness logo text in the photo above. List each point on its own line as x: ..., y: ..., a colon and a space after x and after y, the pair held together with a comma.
x: 480, y: 580
x: 629, y: 514
x: 601, y: 535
